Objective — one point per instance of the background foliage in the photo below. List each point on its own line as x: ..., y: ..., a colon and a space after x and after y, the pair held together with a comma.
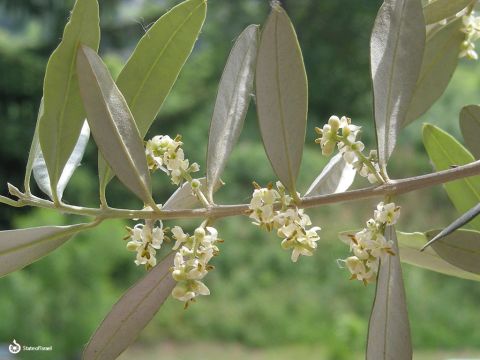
x: 258, y: 297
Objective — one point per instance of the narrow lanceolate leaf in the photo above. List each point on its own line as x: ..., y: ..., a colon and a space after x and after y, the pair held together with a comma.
x: 131, y: 313
x: 64, y: 114
x: 396, y: 51
x: 461, y: 249
x: 444, y: 152
x: 153, y: 68
x: 389, y: 329
x: 183, y: 197
x: 337, y: 176
x: 457, y: 224
x: 19, y: 248
x: 441, y: 9
x: 439, y: 63
x: 34, y: 150
x: 112, y: 124
x: 40, y: 172
x: 233, y: 99
x: 470, y: 126
x: 410, y: 245
x: 282, y: 96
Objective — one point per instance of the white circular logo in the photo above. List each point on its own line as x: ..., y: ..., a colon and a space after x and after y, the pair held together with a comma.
x: 14, y: 347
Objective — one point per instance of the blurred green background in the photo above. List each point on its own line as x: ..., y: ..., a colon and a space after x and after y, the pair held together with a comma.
x: 262, y: 306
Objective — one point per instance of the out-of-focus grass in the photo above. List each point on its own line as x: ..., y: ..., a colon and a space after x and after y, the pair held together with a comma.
x: 218, y: 351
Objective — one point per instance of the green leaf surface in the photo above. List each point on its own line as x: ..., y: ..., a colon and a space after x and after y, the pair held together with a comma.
x: 396, y: 50
x: 439, y: 63
x: 336, y: 177
x: 282, y: 96
x: 112, y: 125
x: 441, y: 9
x: 19, y: 248
x: 233, y: 98
x: 40, y: 172
x: 131, y: 313
x: 63, y: 116
x: 410, y: 245
x: 461, y: 249
x: 444, y: 152
x: 470, y: 126
x: 155, y: 64
x: 389, y: 328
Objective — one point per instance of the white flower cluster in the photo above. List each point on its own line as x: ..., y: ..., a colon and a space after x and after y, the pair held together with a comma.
x: 191, y: 262
x: 145, y: 239
x: 342, y: 133
x: 369, y: 245
x: 291, y: 223
x: 471, y: 28
x: 166, y: 154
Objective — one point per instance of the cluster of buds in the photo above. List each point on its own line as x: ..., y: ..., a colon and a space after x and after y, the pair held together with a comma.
x: 166, y: 154
x: 471, y: 28
x: 145, y: 239
x: 191, y: 262
x: 342, y: 133
x: 369, y: 246
x: 291, y: 222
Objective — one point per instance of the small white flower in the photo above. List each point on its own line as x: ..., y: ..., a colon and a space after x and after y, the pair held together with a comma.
x: 145, y: 240
x: 261, y: 207
x: 179, y: 236
x: 296, y: 236
x: 182, y: 292
x: 157, y: 237
x: 387, y: 213
x: 360, y: 270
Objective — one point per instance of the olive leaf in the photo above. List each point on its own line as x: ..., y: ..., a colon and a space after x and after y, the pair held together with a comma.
x: 460, y: 248
x: 389, y: 329
x: 438, y: 10
x: 282, y: 96
x: 33, y: 153
x: 40, y: 172
x: 470, y: 126
x: 19, y: 248
x: 396, y: 51
x: 112, y: 124
x: 337, y: 176
x: 458, y: 223
x: 154, y: 66
x: 410, y: 245
x: 233, y: 99
x: 131, y: 313
x: 63, y: 115
x: 444, y: 152
x: 439, y: 63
